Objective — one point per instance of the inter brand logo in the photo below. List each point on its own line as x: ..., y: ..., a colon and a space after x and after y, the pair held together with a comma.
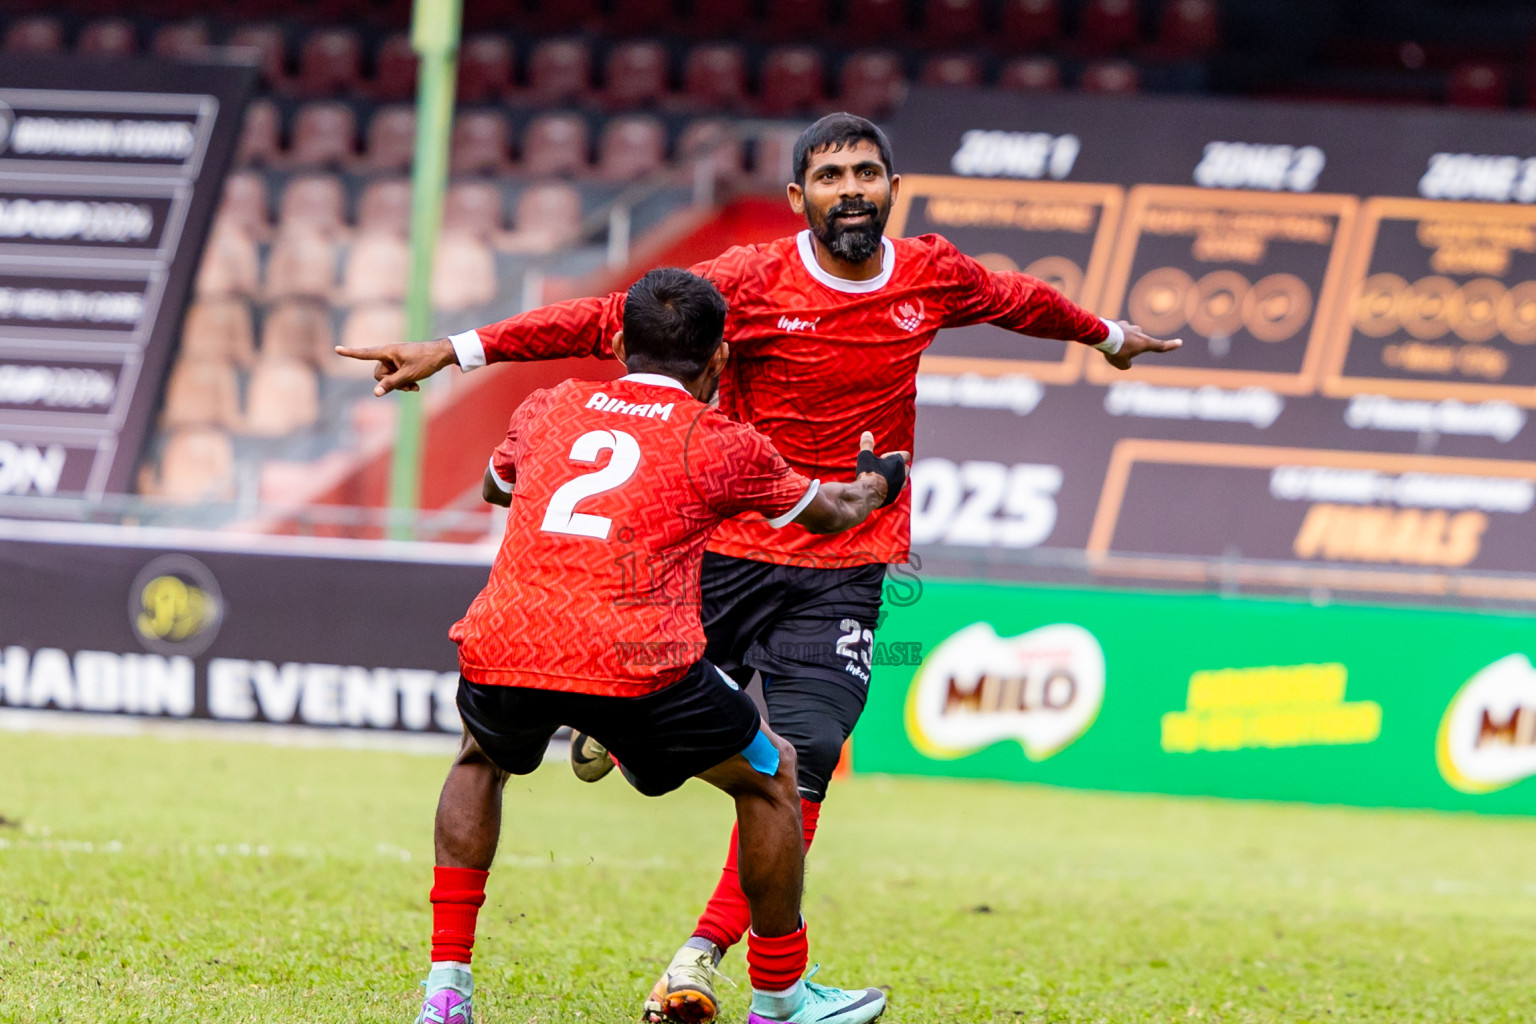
x: 790, y: 323
x: 908, y: 314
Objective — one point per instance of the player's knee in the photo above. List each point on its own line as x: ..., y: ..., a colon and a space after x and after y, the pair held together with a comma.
x: 473, y: 756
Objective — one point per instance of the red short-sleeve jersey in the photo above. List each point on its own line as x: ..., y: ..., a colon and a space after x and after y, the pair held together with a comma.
x: 615, y: 488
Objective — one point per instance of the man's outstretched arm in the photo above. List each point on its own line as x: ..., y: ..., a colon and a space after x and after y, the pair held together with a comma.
x: 837, y: 507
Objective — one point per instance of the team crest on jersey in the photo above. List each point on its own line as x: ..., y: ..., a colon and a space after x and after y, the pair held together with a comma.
x: 908, y: 314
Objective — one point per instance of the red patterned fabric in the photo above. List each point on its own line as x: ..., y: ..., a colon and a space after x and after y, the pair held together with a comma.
x: 617, y: 485
x: 812, y: 365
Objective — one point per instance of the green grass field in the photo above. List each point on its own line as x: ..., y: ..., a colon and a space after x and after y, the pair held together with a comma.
x: 151, y: 879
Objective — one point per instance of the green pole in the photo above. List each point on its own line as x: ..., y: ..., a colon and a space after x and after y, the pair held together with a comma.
x: 435, y: 38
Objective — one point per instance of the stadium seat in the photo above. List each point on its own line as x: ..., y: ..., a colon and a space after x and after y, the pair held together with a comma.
x: 1111, y: 76
x: 480, y: 144
x: 485, y: 69
x: 267, y: 48
x: 548, y: 217
x: 1478, y: 84
x: 109, y: 37
x: 283, y: 397
x: 260, y: 142
x: 568, y: 15
x: 715, y: 145
x: 773, y: 160
x: 475, y: 208
x: 951, y: 22
x: 218, y: 330
x: 1030, y: 74
x: 463, y: 274
x: 872, y: 83
x: 201, y: 392
x: 34, y: 35
x: 185, y: 40
x: 297, y: 329
x: 314, y: 201
x: 391, y: 144
x: 792, y: 81
x: 717, y: 19
x: 635, y: 75
x: 638, y: 17
x: 559, y: 71
x: 1108, y: 26
x: 198, y: 464
x: 330, y: 62
x: 394, y: 70
x: 378, y: 269
x: 555, y: 144
x: 488, y: 15
x: 1030, y: 24
x: 793, y: 20
x: 302, y: 263
x: 883, y: 19
x: 385, y: 206
x: 381, y: 323
x: 1188, y: 28
x: 715, y: 76
x: 230, y: 264
x: 952, y: 70
x: 243, y: 204
x: 631, y: 147
x: 323, y: 136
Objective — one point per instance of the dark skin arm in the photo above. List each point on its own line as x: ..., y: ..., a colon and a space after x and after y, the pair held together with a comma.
x: 493, y: 493
x: 838, y: 507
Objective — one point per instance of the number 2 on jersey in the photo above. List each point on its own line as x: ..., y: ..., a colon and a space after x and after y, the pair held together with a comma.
x: 561, y: 516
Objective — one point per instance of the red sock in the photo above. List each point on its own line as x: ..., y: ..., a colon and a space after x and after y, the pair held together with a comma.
x: 726, y: 917
x: 457, y: 896
x: 775, y: 964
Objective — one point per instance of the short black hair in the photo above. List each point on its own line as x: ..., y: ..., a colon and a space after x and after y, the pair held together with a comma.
x: 835, y: 132
x: 673, y: 322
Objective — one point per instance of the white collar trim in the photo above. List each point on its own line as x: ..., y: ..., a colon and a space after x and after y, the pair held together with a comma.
x: 660, y: 380
x: 842, y: 284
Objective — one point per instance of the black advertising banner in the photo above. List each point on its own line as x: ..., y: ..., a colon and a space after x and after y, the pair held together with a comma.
x: 335, y: 634
x: 1356, y: 291
x: 110, y: 172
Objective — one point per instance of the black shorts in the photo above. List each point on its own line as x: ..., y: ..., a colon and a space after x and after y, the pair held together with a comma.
x: 791, y: 621
x: 662, y: 739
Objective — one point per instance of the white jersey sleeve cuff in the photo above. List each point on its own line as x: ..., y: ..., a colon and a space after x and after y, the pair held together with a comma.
x: 468, y: 350
x: 779, y: 522
x: 501, y: 484
x: 1111, y: 344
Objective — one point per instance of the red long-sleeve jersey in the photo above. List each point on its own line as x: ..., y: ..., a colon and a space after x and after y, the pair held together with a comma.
x: 815, y: 360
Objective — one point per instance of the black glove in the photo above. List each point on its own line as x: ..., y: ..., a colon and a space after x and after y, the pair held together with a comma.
x: 892, y: 467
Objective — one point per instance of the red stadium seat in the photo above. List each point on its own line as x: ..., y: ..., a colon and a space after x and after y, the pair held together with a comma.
x: 885, y: 20
x: 559, y: 71
x: 493, y: 15
x: 1478, y: 84
x: 1108, y: 26
x: 323, y: 136
x: 394, y: 71
x: 1188, y: 28
x: 951, y: 22
x: 110, y: 37
x: 715, y: 76
x: 302, y: 263
x: 201, y: 392
x: 35, y: 35
x: 283, y: 397
x: 297, y: 329
x: 792, y: 81
x: 717, y: 19
x: 380, y: 323
x: 635, y: 75
x: 555, y: 144
x: 330, y: 61
x: 1030, y: 74
x: 548, y: 217
x: 260, y: 136
x: 385, y: 207
x: 773, y: 164
x: 952, y: 70
x: 244, y: 205
x: 1030, y: 24
x: 872, y: 83
x: 463, y: 274
x: 1111, y: 76
x: 218, y: 330
x: 378, y: 269
x: 480, y: 144
x: 715, y: 145
x: 638, y: 17
x: 198, y: 465
x: 792, y: 20
x: 187, y: 40
x: 569, y: 15
x: 315, y: 201
x: 631, y: 147
x: 485, y: 69
x: 230, y: 264
x: 267, y: 48
x: 391, y: 144
x: 474, y: 208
